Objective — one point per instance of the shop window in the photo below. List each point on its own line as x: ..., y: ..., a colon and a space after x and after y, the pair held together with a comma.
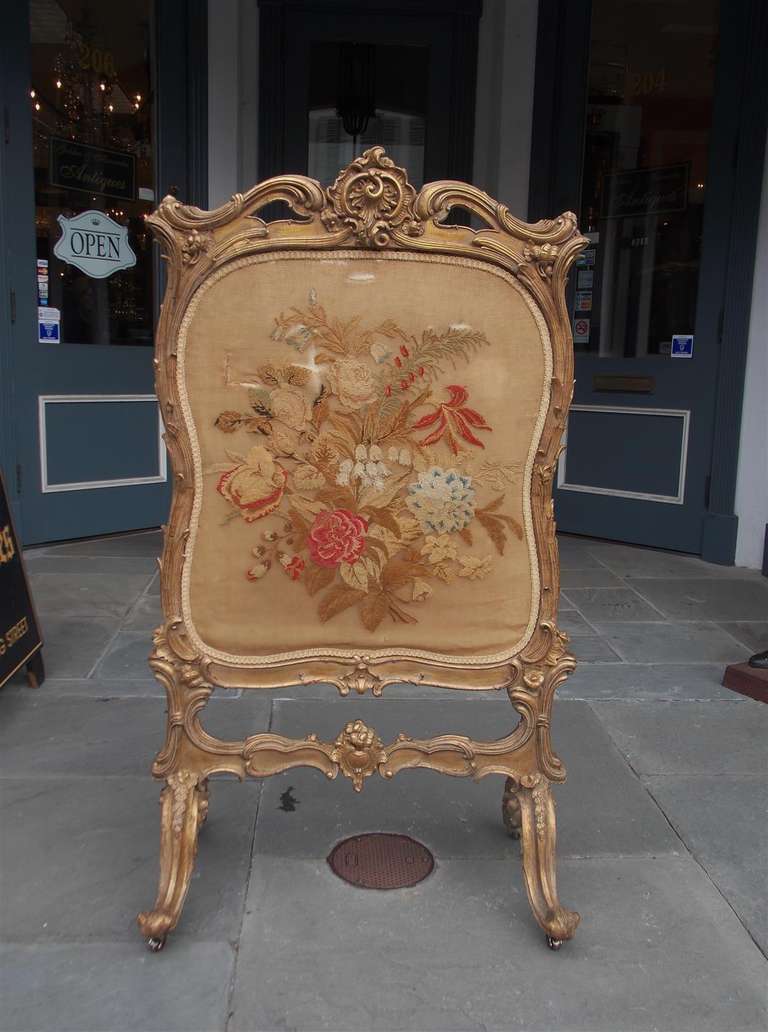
x: 362, y: 95
x: 92, y: 97
x: 649, y: 117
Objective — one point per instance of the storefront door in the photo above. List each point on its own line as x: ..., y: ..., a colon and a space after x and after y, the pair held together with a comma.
x: 646, y: 151
x: 88, y: 117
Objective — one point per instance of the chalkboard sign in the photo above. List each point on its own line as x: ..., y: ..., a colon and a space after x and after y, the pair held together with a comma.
x: 20, y: 639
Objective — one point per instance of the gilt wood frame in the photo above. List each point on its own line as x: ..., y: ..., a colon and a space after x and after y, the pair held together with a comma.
x: 372, y: 207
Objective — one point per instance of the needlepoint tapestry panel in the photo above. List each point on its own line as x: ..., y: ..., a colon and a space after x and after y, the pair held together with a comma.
x: 363, y: 429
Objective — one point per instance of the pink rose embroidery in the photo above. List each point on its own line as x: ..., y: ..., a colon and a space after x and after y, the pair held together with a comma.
x: 337, y: 537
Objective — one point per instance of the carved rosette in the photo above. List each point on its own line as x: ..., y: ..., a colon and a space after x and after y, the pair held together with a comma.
x: 358, y: 751
x: 195, y: 244
x: 373, y: 197
x: 542, y: 256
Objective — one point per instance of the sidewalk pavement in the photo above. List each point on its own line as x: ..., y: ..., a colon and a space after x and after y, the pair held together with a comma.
x: 662, y: 837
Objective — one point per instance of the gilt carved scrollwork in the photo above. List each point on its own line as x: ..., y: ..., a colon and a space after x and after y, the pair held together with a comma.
x: 358, y: 751
x: 373, y: 197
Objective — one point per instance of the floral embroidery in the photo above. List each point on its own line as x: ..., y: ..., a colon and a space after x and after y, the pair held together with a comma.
x: 367, y: 484
x: 337, y: 537
x: 293, y: 565
x: 255, y: 486
x: 453, y: 417
x: 441, y: 500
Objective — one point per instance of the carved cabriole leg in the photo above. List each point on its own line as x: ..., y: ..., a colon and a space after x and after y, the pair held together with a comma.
x: 182, y: 806
x: 537, y: 810
x: 184, y: 800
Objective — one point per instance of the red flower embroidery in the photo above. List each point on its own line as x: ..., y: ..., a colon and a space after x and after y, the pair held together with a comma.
x: 294, y: 567
x: 453, y: 417
x: 337, y: 537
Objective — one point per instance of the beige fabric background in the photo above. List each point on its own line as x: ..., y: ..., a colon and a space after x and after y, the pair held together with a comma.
x: 508, y: 383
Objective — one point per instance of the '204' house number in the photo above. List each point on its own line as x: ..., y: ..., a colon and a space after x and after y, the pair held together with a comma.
x: 94, y: 243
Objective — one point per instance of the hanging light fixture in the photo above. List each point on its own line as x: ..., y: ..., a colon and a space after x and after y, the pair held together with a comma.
x: 357, y: 87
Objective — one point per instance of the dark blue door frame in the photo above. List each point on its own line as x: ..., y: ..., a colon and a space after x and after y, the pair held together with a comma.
x: 730, y: 230
x: 179, y: 43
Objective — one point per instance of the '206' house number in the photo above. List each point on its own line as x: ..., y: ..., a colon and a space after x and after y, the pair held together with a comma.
x: 94, y: 243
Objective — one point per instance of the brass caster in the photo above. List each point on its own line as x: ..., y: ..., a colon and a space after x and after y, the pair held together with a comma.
x: 155, y: 945
x: 554, y: 944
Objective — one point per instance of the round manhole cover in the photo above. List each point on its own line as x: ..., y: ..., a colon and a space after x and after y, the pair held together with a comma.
x: 381, y: 861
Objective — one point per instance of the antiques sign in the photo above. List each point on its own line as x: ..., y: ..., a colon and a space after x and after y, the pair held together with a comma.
x: 646, y: 191
x: 94, y: 243
x: 76, y: 166
x: 19, y: 633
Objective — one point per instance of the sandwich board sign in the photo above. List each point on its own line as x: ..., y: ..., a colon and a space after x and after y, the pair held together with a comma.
x: 20, y: 639
x: 94, y: 243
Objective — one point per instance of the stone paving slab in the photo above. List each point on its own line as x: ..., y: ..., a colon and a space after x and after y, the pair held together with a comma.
x: 602, y: 809
x: 126, y: 656
x: 74, y: 987
x: 753, y: 634
x: 723, y: 820
x: 594, y: 577
x: 612, y: 605
x: 629, y: 561
x: 53, y: 562
x: 87, y: 594
x: 722, y: 599
x: 690, y: 737
x: 41, y: 735
x: 646, y: 682
x: 658, y: 948
x: 670, y: 642
x: 73, y: 645
x: 86, y: 851
x: 148, y: 543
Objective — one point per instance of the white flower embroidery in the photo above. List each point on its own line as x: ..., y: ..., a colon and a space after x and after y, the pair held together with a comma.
x: 367, y: 468
x: 442, y: 500
x: 475, y: 568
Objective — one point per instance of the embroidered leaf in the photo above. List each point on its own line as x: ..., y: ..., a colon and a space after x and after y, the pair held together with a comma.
x: 398, y: 613
x: 391, y: 543
x: 513, y: 525
x: 320, y: 410
x: 494, y: 528
x: 338, y: 497
x: 257, y: 425
x: 399, y: 572
x: 373, y: 610
x: 354, y: 574
x: 228, y: 421
x: 492, y: 506
x: 384, y: 518
x: 307, y: 507
x: 376, y: 543
x: 318, y: 577
x: 373, y: 566
x: 234, y: 456
x: 381, y: 499
x: 300, y: 529
x: 337, y: 600
x: 466, y: 536
x: 427, y: 420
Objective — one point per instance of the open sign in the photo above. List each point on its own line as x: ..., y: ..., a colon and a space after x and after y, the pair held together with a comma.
x: 95, y: 244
